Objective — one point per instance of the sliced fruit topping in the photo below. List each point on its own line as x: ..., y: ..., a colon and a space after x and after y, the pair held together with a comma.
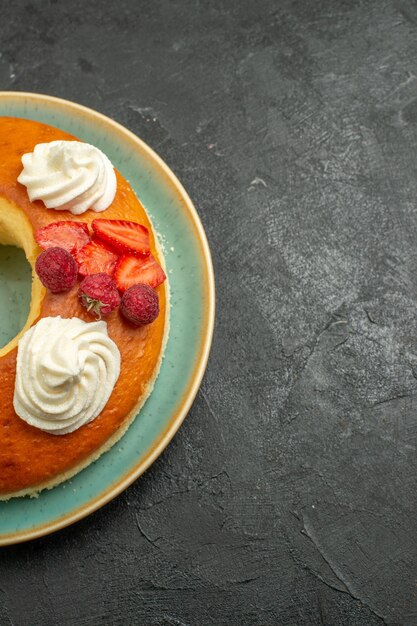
x: 56, y: 269
x: 132, y: 270
x: 95, y: 258
x: 122, y: 236
x: 98, y: 293
x: 140, y: 305
x: 72, y: 236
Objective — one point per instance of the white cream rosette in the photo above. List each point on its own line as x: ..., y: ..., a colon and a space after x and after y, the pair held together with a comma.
x: 66, y: 371
x: 69, y: 175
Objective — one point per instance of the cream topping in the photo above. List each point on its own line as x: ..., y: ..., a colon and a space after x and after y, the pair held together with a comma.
x: 66, y: 371
x: 69, y: 175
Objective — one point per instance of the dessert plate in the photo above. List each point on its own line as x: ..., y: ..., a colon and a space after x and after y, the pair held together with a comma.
x: 191, y: 281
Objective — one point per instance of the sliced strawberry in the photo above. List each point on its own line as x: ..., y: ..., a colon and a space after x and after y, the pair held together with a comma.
x: 94, y: 258
x: 72, y: 236
x: 122, y: 236
x: 132, y: 270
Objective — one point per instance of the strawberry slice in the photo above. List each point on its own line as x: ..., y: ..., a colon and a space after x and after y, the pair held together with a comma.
x: 72, y: 236
x: 95, y: 258
x: 131, y: 270
x: 122, y: 236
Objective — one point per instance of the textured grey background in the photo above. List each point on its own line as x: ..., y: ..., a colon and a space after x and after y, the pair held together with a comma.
x: 288, y: 496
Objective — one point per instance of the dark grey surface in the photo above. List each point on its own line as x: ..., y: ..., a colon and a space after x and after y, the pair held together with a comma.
x: 288, y: 496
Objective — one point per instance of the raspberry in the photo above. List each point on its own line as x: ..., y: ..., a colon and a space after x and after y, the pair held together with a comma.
x: 56, y: 269
x: 140, y: 304
x: 99, y: 295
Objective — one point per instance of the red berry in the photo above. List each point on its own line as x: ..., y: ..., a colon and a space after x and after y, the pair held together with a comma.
x: 122, y: 236
x: 140, y: 305
x: 71, y: 236
x: 56, y: 269
x: 131, y: 270
x: 95, y: 258
x: 98, y: 293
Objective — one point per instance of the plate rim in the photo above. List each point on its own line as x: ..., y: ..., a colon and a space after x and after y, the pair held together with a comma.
x: 177, y: 418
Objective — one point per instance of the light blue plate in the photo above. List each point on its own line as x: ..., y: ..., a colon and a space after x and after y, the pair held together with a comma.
x: 191, y: 280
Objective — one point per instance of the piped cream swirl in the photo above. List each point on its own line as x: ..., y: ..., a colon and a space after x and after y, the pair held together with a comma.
x: 69, y: 175
x: 66, y: 370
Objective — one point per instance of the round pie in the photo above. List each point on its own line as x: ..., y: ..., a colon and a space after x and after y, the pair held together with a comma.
x: 32, y: 459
